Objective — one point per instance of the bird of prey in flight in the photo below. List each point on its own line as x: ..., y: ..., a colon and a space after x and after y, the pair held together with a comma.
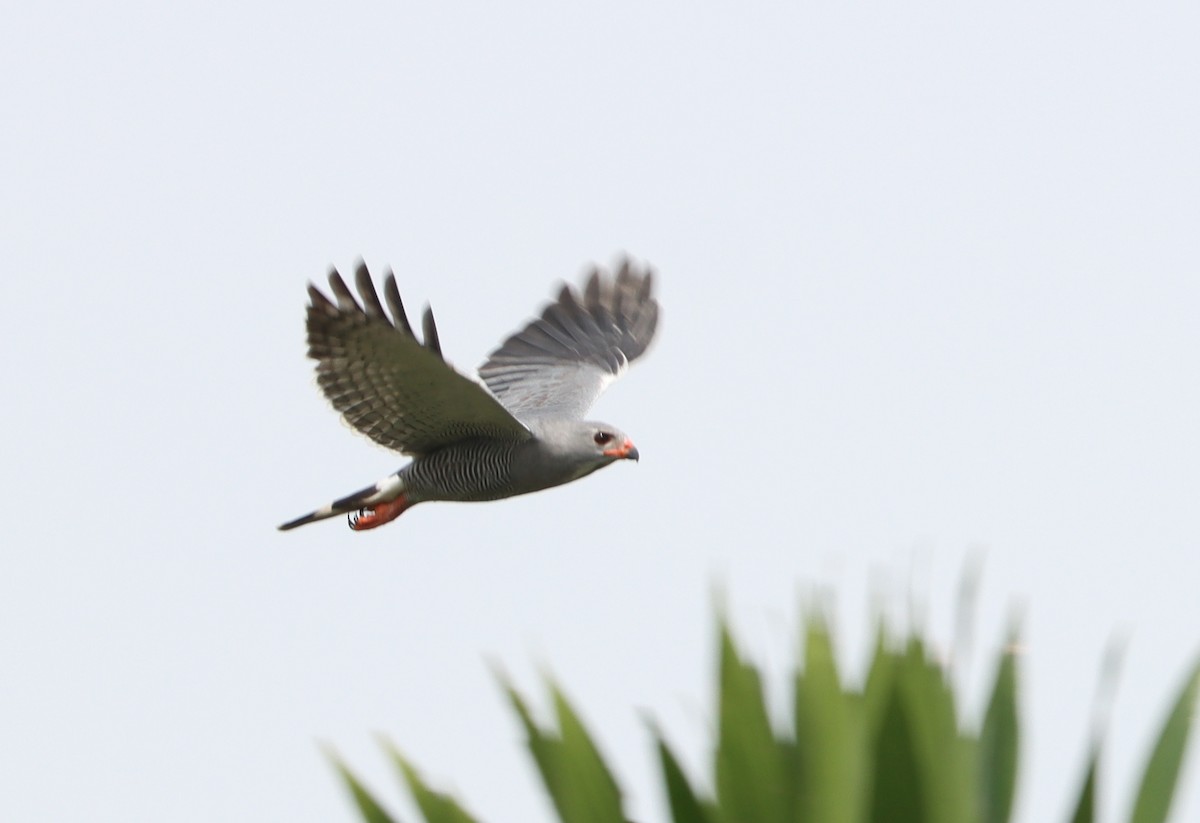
x: 521, y: 430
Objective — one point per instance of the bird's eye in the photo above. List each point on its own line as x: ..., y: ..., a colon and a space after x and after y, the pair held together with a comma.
x: 602, y: 438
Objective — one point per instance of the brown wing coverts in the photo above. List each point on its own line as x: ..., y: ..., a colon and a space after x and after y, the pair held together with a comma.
x: 386, y: 384
x: 559, y: 363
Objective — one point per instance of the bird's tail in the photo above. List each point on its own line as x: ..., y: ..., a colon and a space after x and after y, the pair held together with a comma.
x: 382, y: 501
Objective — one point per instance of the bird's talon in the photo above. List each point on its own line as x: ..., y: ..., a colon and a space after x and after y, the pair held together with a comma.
x: 370, y: 517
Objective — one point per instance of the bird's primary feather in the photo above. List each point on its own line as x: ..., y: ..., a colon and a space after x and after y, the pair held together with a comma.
x: 389, y: 386
x: 559, y: 363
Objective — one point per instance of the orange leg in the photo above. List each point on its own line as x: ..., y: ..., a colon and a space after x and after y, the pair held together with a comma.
x: 377, y: 515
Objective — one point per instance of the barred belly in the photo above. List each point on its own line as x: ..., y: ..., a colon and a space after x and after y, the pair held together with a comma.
x: 471, y: 470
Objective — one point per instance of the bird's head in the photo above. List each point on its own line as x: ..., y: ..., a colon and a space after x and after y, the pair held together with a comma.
x: 585, y: 445
x: 609, y: 443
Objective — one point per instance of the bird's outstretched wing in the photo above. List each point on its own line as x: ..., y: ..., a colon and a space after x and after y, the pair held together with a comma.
x: 560, y: 363
x: 386, y: 384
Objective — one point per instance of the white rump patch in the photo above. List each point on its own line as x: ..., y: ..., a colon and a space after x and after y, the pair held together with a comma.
x: 386, y: 490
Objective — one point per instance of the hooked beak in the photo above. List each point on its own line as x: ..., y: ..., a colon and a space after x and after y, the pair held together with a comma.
x: 625, y: 451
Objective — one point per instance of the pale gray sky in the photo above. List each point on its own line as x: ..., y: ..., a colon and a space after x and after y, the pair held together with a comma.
x: 930, y: 283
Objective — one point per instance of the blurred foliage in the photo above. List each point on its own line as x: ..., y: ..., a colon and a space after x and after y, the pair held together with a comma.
x: 891, y: 752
